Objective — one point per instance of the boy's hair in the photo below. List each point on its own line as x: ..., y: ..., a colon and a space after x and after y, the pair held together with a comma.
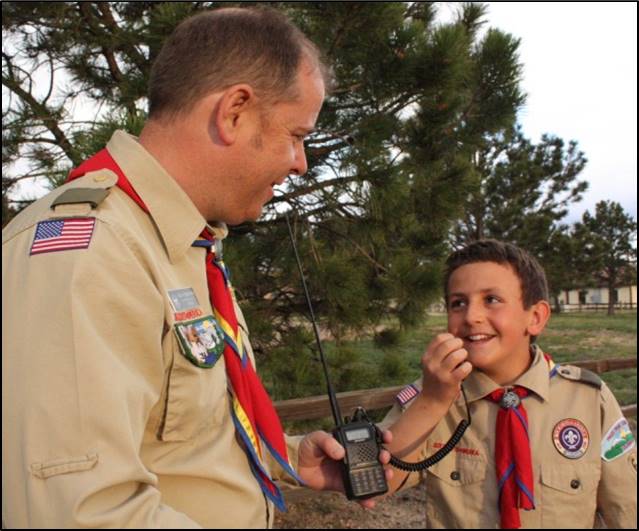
x: 216, y: 49
x: 532, y: 278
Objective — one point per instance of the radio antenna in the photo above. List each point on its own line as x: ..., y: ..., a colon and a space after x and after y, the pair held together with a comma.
x: 337, y: 415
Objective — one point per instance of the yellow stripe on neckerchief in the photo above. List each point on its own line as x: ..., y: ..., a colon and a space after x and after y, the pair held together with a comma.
x: 253, y: 414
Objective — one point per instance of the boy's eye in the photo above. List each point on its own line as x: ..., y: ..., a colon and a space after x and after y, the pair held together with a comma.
x: 457, y: 303
x: 492, y: 299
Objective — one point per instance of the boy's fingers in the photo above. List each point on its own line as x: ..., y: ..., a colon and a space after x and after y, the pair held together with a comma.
x: 441, y: 347
x: 454, y: 359
x: 463, y: 370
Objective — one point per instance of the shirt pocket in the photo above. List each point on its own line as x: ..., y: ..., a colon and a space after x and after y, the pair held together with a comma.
x: 568, y: 494
x: 196, y: 397
x: 456, y: 481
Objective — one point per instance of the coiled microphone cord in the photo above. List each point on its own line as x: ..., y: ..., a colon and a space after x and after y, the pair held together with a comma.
x: 442, y: 452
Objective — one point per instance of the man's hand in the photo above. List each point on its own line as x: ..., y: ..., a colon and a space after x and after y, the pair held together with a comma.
x: 319, y: 462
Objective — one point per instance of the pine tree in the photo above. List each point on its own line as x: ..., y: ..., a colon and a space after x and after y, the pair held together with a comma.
x: 389, y: 165
x: 522, y: 190
x: 606, y: 240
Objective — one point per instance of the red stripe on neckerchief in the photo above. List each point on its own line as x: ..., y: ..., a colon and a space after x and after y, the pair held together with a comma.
x: 253, y: 413
x: 252, y: 410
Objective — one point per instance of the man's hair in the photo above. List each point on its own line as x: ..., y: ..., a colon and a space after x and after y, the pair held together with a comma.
x: 214, y: 50
x: 532, y: 278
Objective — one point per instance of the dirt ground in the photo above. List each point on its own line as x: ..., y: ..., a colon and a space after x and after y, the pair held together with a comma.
x: 329, y: 510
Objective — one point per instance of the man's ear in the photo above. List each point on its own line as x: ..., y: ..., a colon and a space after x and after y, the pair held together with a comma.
x: 539, y: 315
x: 231, y: 111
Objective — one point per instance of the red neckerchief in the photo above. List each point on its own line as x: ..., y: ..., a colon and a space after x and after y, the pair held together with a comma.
x: 513, y: 461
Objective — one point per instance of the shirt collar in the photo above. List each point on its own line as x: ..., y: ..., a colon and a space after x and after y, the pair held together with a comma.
x: 535, y: 379
x: 178, y: 220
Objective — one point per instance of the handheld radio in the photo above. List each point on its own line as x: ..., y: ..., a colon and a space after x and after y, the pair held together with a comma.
x: 362, y: 473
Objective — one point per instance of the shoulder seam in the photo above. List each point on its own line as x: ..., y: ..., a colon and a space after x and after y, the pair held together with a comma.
x: 585, y: 376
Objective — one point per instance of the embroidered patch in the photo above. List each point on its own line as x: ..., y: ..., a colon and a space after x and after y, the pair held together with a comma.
x: 617, y: 441
x: 407, y: 394
x: 62, y: 235
x: 189, y: 314
x: 473, y: 452
x: 201, y: 341
x: 571, y: 438
x: 183, y: 299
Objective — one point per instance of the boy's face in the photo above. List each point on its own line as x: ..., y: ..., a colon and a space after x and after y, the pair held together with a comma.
x: 486, y: 310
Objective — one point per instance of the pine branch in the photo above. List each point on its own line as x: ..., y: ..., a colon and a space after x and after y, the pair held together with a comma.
x: 41, y: 112
x: 107, y: 52
x: 107, y: 17
x: 359, y: 248
x: 287, y: 197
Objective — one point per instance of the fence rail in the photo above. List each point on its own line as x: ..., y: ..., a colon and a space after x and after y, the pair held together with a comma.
x: 315, y: 407
x: 597, y: 306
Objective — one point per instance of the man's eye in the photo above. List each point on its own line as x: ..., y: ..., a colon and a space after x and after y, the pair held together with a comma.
x: 492, y: 299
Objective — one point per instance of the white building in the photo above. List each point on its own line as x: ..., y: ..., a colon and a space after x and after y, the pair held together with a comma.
x: 624, y: 297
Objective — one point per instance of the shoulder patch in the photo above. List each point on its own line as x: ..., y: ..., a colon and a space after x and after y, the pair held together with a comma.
x: 407, y: 394
x: 62, y: 235
x: 617, y: 441
x: 577, y: 374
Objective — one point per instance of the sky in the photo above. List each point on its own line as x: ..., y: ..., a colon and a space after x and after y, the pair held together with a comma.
x: 580, y: 77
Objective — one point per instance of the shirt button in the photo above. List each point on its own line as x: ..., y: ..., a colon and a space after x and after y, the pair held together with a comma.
x: 575, y: 483
x: 100, y: 178
x: 454, y: 475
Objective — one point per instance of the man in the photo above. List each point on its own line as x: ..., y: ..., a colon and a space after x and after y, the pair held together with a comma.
x: 109, y: 418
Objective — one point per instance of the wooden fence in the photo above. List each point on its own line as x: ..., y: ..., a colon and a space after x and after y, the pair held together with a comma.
x: 598, y: 306
x: 315, y: 407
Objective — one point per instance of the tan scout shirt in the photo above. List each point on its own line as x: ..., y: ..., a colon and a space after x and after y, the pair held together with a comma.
x: 461, y: 490
x: 105, y: 423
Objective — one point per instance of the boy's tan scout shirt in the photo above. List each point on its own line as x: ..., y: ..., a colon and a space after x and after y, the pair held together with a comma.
x: 105, y: 422
x: 461, y: 490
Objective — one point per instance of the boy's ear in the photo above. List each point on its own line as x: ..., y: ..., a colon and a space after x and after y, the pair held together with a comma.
x: 539, y: 315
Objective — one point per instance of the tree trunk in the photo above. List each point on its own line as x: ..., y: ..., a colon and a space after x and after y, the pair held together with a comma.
x: 556, y: 305
x: 611, y: 300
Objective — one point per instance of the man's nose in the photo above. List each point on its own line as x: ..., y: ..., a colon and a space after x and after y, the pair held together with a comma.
x: 300, y: 165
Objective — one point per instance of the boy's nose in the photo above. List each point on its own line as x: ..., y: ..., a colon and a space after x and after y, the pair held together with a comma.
x: 474, y: 313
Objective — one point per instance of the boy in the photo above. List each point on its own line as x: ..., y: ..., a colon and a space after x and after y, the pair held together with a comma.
x: 548, y: 445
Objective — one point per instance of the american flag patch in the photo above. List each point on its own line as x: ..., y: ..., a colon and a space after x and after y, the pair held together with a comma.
x: 62, y: 235
x: 408, y: 393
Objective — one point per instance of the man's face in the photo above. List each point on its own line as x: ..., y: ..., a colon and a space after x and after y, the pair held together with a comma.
x: 276, y: 147
x: 486, y: 310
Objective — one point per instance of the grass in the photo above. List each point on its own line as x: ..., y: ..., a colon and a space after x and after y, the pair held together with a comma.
x: 579, y: 336
x: 568, y: 337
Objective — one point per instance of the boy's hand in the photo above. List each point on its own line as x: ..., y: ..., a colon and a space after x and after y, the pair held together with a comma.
x: 444, y: 367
